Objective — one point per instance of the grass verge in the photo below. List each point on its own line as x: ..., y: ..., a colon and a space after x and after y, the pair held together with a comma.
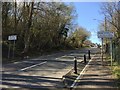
x: 115, y: 69
x: 116, y: 72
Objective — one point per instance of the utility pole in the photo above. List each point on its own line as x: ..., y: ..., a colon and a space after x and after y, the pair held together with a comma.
x: 102, y: 51
x: 105, y: 25
x: 118, y: 27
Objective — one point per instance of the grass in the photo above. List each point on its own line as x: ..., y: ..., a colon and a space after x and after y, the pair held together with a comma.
x: 116, y: 72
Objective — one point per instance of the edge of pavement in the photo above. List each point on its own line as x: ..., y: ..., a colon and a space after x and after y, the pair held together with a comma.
x: 81, y: 73
x: 70, y: 79
x: 106, y: 65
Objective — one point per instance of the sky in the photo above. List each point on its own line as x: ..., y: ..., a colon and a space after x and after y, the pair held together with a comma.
x: 87, y: 12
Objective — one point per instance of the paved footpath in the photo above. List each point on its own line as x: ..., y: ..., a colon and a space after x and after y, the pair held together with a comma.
x: 97, y: 76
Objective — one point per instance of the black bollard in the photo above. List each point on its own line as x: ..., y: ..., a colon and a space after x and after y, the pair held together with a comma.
x: 85, y: 59
x: 89, y: 57
x: 75, y: 65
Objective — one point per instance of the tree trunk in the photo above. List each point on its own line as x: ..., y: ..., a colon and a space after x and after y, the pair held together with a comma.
x: 15, y: 25
x: 119, y: 19
x: 27, y: 33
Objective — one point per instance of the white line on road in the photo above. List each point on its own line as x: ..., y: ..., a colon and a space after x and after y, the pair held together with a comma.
x: 32, y: 66
x: 74, y: 83
x: 19, y: 62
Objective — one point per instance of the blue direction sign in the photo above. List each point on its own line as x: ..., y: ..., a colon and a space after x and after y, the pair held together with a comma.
x: 105, y: 34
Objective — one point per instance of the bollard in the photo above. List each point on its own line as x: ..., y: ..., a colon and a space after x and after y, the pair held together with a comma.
x: 85, y: 59
x: 75, y: 65
x: 89, y: 57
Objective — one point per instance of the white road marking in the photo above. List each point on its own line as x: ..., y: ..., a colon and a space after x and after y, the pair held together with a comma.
x: 32, y: 66
x: 16, y: 62
x: 19, y: 62
x: 74, y: 83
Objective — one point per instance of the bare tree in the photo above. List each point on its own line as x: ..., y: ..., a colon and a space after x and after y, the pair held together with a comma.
x: 111, y: 12
x: 28, y: 27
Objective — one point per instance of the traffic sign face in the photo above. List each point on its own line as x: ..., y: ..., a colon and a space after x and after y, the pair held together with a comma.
x: 12, y: 37
x: 105, y: 34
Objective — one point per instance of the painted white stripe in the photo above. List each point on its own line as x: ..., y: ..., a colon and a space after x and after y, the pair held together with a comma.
x: 74, y: 83
x: 32, y: 66
x: 19, y: 62
x: 16, y: 62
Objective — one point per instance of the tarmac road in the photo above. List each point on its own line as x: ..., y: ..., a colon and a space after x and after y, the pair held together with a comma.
x: 42, y: 72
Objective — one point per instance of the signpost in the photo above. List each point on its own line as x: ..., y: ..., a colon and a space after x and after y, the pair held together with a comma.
x: 109, y: 35
x: 12, y: 38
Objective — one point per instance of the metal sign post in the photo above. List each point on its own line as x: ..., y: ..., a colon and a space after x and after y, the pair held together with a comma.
x: 9, y: 51
x: 106, y: 34
x: 111, y: 51
x: 102, y: 51
x: 13, y: 48
x: 12, y: 38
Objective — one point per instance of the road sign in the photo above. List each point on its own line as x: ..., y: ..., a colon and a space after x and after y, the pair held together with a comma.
x: 105, y: 34
x: 12, y: 37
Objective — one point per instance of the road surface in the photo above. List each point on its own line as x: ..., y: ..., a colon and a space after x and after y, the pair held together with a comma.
x: 42, y: 72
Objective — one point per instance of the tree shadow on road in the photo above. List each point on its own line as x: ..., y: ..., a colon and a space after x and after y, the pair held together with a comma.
x: 31, y: 82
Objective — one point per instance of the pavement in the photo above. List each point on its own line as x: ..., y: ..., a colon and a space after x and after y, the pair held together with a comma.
x: 96, y: 76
